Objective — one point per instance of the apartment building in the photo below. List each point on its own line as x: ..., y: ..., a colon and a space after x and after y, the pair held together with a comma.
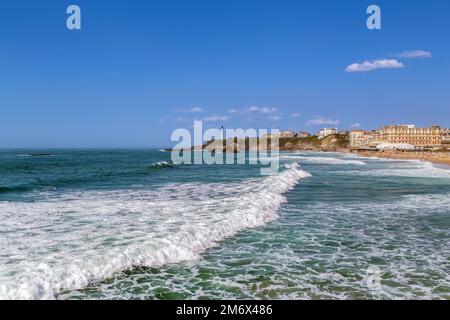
x: 358, y: 139
x: 325, y: 132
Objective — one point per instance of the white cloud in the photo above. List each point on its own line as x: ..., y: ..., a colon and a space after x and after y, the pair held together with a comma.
x: 317, y: 121
x: 232, y: 111
x: 374, y: 65
x: 295, y: 115
x: 415, y: 54
x: 355, y: 125
x: 216, y: 118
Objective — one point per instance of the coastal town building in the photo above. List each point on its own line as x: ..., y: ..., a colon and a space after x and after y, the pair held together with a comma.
x: 446, y: 136
x: 325, y: 132
x: 430, y: 137
x: 399, y: 137
x: 287, y: 134
x: 395, y: 146
x: 360, y: 139
x: 302, y: 134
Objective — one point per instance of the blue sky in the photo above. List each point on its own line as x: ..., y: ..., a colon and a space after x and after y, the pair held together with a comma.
x: 139, y: 69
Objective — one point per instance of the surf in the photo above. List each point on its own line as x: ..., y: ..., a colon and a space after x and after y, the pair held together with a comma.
x: 77, y: 238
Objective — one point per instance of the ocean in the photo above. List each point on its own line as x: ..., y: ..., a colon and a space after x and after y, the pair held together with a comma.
x: 130, y: 224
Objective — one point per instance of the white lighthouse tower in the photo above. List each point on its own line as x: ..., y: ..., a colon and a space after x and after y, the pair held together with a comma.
x: 222, y: 136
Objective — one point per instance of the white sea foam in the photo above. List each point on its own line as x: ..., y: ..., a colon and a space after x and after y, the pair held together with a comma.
x: 323, y: 160
x: 67, y: 241
x: 414, y: 169
x: 318, y: 250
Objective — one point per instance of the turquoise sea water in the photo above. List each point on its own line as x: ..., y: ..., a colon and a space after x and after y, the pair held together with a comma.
x: 129, y: 224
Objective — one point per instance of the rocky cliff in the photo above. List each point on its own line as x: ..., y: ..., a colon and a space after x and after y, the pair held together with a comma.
x: 336, y: 143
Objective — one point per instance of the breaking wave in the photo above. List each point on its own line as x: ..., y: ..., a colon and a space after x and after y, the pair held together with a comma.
x: 162, y: 164
x: 36, y: 155
x: 69, y: 240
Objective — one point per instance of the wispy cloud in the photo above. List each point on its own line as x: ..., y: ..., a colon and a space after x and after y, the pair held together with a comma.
x: 254, y: 110
x: 216, y: 118
x: 191, y: 110
x: 270, y: 113
x: 355, y: 125
x: 295, y: 115
x: 367, y: 66
x: 212, y: 118
x: 318, y: 121
x: 274, y: 118
x: 180, y: 119
x: 265, y: 110
x: 415, y: 54
x: 257, y: 113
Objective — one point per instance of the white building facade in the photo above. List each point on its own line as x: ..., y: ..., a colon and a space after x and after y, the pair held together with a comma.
x: 325, y: 132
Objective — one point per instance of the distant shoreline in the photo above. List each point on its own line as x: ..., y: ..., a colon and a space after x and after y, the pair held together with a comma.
x: 332, y: 143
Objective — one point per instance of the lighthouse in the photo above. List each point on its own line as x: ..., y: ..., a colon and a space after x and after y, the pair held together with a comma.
x: 222, y: 136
